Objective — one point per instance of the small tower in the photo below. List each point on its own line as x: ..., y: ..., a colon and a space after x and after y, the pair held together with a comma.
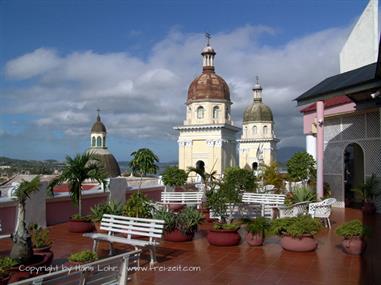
x: 99, y: 148
x: 258, y: 141
x: 208, y: 136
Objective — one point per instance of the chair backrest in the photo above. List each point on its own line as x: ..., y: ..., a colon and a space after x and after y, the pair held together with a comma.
x: 328, y: 202
x: 112, y: 270
x: 132, y: 226
x: 182, y: 197
x: 270, y: 199
x: 269, y: 187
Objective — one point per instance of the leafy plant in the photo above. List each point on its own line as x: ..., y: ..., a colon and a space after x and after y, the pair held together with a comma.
x: 300, y: 194
x: 138, y: 205
x: 22, y: 242
x: 6, y: 263
x: 76, y: 170
x: 40, y: 236
x: 370, y: 189
x: 301, y: 166
x: 242, y: 179
x: 78, y: 217
x: 144, y: 162
x: 272, y: 176
x: 173, y: 176
x: 352, y: 229
x: 228, y: 227
x: 83, y: 256
x: 259, y: 225
x: 110, y: 207
x: 169, y: 219
x: 296, y: 227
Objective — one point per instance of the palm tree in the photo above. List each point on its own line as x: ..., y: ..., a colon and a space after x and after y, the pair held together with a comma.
x: 207, y: 178
x: 22, y: 242
x: 144, y: 162
x: 78, y: 169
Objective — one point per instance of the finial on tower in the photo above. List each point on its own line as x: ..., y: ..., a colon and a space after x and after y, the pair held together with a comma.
x: 208, y: 54
x: 98, y: 116
x: 257, y: 91
x: 257, y: 77
x: 208, y: 36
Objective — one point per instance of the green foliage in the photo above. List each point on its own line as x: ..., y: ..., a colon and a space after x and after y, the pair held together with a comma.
x: 352, y: 229
x: 83, y: 256
x: 76, y: 170
x: 272, y: 176
x: 186, y: 221
x: 138, y: 205
x: 173, y: 176
x: 259, y: 225
x: 296, y: 227
x: 227, y: 227
x: 301, y: 166
x: 26, y: 188
x: 241, y: 179
x: 370, y: 189
x: 144, y: 162
x: 40, y: 236
x: 111, y: 207
x: 6, y: 263
x: 81, y: 218
x: 300, y: 194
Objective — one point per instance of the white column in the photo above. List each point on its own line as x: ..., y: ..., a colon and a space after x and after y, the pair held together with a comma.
x: 311, y: 145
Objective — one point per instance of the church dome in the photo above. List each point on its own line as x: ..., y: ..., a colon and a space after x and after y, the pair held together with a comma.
x: 98, y: 126
x: 108, y: 161
x: 208, y: 86
x: 258, y: 112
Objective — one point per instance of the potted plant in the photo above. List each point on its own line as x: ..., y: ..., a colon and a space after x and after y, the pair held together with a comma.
x: 143, y: 163
x: 138, y: 205
x: 174, y: 177
x: 300, y: 194
x: 297, y: 233
x: 97, y: 212
x: 76, y: 170
x: 180, y: 226
x: 81, y: 257
x: 40, y: 239
x: 353, y: 233
x: 256, y: 231
x: 369, y: 191
x: 6, y: 264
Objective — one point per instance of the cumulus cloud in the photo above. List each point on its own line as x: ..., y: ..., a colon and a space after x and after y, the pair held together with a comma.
x: 144, y: 98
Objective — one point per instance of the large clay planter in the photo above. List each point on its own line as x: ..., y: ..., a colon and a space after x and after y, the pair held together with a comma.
x: 368, y: 208
x: 176, y: 207
x: 354, y: 246
x: 303, y: 244
x: 4, y: 280
x: 224, y: 237
x: 78, y: 226
x: 41, y: 249
x: 177, y: 236
x: 255, y: 239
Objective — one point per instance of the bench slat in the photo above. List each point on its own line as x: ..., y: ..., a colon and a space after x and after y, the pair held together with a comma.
x: 134, y: 219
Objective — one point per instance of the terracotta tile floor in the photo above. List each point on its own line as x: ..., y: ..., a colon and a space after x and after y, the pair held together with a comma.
x: 244, y: 264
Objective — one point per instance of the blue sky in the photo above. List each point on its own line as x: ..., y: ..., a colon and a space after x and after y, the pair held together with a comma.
x: 60, y: 60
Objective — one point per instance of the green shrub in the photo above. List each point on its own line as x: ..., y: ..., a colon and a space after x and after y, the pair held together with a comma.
x: 272, y: 176
x: 7, y: 263
x: 300, y: 194
x: 173, y: 176
x: 229, y: 227
x: 259, y: 225
x: 351, y: 229
x: 296, y: 227
x: 78, y: 217
x: 111, y: 207
x: 301, y: 166
x: 168, y: 217
x: 40, y: 236
x: 83, y: 256
x: 138, y: 205
x: 240, y: 178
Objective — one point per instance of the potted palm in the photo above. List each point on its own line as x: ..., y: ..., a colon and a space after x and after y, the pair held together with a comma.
x: 174, y: 177
x: 6, y: 264
x: 76, y: 170
x: 138, y: 205
x: 110, y: 207
x: 369, y: 191
x: 143, y: 163
x: 256, y: 231
x: 180, y: 226
x: 40, y: 239
x: 81, y: 257
x: 353, y: 233
x: 297, y: 233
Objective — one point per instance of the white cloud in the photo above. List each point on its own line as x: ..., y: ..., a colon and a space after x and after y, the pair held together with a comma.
x: 145, y: 98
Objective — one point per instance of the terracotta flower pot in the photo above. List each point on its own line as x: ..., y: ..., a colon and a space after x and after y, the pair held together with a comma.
x: 41, y: 249
x: 176, y: 207
x: 79, y: 226
x: 305, y: 243
x: 177, y: 236
x: 354, y: 246
x: 4, y: 280
x: 255, y: 239
x: 368, y: 208
x: 224, y: 237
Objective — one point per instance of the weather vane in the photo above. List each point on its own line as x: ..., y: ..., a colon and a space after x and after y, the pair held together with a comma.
x: 98, y: 110
x: 257, y: 77
x: 208, y: 36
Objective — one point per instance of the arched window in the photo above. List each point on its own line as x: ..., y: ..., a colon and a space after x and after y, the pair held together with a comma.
x: 200, y: 112
x: 216, y: 112
x: 104, y: 141
x: 265, y: 130
x: 99, y: 141
x: 93, y: 141
x: 255, y: 130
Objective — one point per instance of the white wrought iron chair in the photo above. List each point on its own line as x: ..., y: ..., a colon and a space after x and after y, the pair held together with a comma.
x: 293, y: 210
x: 322, y: 210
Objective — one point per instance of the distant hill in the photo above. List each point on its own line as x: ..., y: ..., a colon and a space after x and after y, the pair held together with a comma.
x: 285, y: 153
x: 12, y: 166
x: 162, y: 166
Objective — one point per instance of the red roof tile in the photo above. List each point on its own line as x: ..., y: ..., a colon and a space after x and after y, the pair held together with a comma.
x: 332, y: 102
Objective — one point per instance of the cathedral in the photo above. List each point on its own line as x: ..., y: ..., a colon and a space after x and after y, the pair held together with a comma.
x: 208, y: 137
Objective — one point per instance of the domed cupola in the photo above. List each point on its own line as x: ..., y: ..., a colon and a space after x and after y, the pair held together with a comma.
x: 98, y: 126
x: 257, y: 111
x: 208, y: 85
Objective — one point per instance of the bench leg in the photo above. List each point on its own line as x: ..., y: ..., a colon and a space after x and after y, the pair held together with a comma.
x: 110, y: 248
x: 152, y: 251
x: 138, y: 260
x: 95, y: 243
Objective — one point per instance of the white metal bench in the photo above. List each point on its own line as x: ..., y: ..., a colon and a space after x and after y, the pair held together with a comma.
x: 111, y: 271
x: 267, y: 201
x: 186, y: 198
x: 127, y: 230
x: 322, y: 210
x: 3, y: 236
